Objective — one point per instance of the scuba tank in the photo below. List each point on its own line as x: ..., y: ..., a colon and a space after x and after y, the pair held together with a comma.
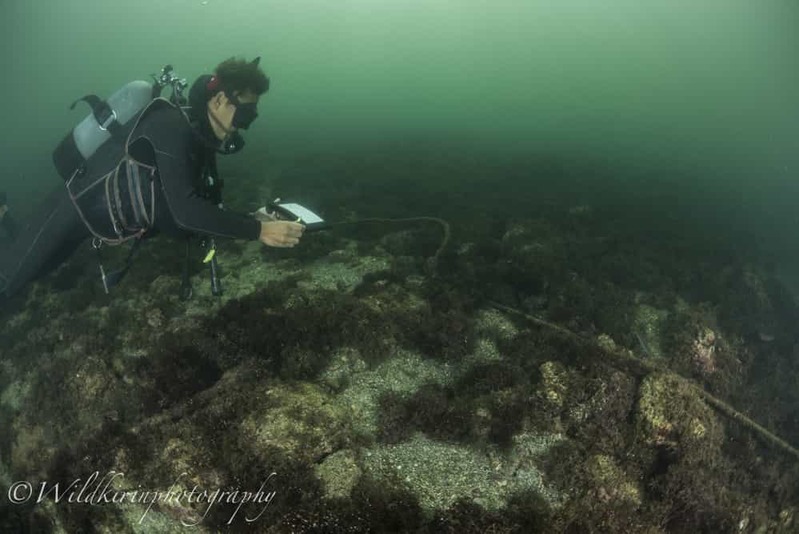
x: 108, y: 118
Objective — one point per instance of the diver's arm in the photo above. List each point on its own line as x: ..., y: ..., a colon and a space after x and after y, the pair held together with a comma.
x: 273, y: 233
x: 173, y: 141
x: 197, y: 215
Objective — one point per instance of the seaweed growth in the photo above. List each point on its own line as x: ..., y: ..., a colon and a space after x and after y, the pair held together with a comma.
x: 387, y: 397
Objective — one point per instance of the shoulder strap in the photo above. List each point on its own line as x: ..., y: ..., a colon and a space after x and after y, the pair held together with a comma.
x: 156, y: 103
x: 103, y: 114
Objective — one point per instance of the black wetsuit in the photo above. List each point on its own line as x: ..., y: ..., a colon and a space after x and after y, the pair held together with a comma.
x: 163, y: 138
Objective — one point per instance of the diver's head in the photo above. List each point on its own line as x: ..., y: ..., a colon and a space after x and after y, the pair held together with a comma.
x: 230, y: 96
x: 225, y: 112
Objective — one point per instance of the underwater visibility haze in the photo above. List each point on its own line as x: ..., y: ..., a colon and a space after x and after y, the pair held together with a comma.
x: 559, y: 293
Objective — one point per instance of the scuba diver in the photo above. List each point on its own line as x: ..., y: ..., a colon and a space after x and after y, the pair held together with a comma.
x: 153, y: 173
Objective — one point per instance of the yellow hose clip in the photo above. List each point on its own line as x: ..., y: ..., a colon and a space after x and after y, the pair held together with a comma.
x: 210, y: 255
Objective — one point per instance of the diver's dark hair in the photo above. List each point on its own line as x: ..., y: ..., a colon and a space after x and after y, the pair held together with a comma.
x: 240, y: 75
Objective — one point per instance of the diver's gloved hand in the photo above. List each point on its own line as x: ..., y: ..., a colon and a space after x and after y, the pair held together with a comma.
x: 281, y: 233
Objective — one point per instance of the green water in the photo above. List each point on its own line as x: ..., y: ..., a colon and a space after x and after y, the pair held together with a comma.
x: 682, y: 109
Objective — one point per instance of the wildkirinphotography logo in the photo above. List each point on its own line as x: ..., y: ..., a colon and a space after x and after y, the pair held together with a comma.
x: 98, y: 490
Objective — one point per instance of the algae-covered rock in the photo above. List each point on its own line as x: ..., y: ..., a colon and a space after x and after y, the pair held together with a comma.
x: 485, y: 352
x: 554, y: 381
x: 495, y: 324
x: 344, y: 364
x: 648, y: 325
x: 522, y: 469
x: 671, y: 413
x: 339, y: 473
x: 303, y: 422
x: 606, y: 343
x: 376, y: 392
x: 611, y: 483
x: 703, y: 351
x: 787, y: 517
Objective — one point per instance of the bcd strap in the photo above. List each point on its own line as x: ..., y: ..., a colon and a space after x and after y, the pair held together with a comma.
x: 103, y: 114
x: 113, y: 278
